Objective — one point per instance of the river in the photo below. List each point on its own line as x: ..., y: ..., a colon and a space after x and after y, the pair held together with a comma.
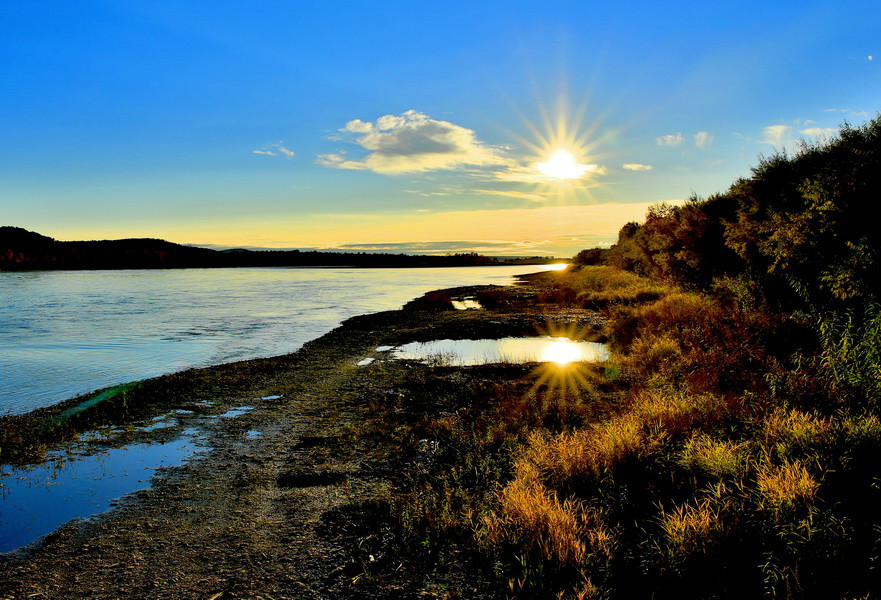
x: 64, y: 333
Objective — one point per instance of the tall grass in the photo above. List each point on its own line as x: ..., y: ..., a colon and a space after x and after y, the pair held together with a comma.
x: 711, y: 463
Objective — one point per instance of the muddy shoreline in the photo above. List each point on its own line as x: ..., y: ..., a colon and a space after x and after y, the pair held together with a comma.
x: 254, y: 517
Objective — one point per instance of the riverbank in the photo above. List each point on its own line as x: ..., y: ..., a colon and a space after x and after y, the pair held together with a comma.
x: 249, y: 518
x: 724, y: 450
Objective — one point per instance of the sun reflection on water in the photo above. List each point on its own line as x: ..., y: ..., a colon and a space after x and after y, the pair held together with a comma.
x: 562, y: 352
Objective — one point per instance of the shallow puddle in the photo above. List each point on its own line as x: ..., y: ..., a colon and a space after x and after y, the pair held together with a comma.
x: 37, y: 500
x: 469, y: 303
x: 236, y: 412
x: 460, y: 353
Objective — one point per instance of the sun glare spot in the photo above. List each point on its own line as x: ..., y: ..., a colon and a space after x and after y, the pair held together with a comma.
x: 562, y: 165
x: 562, y: 351
x: 556, y: 267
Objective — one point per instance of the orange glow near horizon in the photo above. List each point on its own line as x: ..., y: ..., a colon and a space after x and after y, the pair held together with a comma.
x: 525, y: 230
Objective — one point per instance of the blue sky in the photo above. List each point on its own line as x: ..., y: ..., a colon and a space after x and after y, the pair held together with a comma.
x: 407, y: 126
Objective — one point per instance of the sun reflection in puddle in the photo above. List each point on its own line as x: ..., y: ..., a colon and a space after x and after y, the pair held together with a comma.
x: 562, y: 351
x: 469, y: 303
x: 460, y: 353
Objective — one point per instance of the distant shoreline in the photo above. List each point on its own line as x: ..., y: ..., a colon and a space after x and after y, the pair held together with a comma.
x: 23, y: 250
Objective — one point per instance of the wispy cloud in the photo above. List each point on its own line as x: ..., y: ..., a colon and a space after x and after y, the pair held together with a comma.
x: 532, y: 174
x: 413, y: 142
x: 637, y: 167
x: 847, y: 111
x: 671, y: 139
x: 513, y: 194
x: 819, y: 132
x: 776, y: 135
x: 274, y: 150
x: 421, y: 193
x: 703, y: 139
x: 443, y: 247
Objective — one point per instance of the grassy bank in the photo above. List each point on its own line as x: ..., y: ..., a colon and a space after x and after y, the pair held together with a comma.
x: 724, y: 451
x: 721, y: 453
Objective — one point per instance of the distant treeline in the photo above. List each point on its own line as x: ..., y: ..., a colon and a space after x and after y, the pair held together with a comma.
x: 26, y: 250
x: 800, y: 234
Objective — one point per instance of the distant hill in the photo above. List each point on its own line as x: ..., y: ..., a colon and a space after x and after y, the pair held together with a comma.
x: 22, y: 250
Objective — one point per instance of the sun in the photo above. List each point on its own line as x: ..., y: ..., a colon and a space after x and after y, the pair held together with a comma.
x: 562, y: 165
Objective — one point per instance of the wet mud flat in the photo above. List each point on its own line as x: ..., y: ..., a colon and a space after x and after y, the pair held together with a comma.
x: 270, y: 508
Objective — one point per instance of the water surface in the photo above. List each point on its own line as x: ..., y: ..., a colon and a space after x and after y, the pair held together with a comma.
x: 36, y: 501
x: 69, y: 332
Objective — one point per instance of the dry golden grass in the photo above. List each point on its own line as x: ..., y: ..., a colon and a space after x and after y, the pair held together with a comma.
x: 586, y: 591
x: 676, y: 311
x: 531, y: 513
x: 649, y: 355
x: 787, y: 485
x: 678, y: 412
x: 563, y: 532
x: 600, y: 285
x: 716, y: 458
x: 690, y: 527
x: 864, y: 428
x: 654, y: 419
x: 582, y: 454
x: 795, y: 427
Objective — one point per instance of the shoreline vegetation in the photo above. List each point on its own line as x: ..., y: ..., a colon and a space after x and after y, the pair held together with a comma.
x: 727, y: 449
x: 23, y: 250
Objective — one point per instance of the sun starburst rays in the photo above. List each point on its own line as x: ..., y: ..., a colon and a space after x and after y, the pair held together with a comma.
x: 562, y: 153
x: 564, y: 376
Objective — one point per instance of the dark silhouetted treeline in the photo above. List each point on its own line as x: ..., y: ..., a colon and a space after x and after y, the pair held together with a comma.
x: 25, y: 250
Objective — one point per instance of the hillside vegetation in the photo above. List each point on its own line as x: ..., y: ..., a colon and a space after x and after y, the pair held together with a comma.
x: 729, y: 449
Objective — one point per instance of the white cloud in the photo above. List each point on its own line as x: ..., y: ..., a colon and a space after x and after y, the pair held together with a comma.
x: 285, y: 151
x: 671, y: 139
x: 819, y: 131
x: 266, y: 152
x: 357, y: 126
x: 637, y: 167
x: 413, y: 142
x: 703, y: 139
x: 776, y: 135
